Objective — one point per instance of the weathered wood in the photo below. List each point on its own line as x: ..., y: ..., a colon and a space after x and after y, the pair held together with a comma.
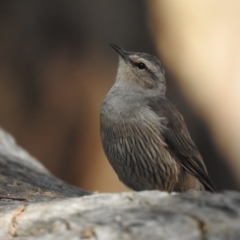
x: 23, y: 176
x: 55, y: 210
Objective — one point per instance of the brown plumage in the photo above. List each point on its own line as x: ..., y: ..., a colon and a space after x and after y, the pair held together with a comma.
x: 143, y: 135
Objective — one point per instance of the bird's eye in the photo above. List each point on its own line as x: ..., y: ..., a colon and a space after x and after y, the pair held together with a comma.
x: 141, y: 66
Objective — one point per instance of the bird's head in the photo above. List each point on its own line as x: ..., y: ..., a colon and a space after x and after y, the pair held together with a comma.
x: 141, y: 70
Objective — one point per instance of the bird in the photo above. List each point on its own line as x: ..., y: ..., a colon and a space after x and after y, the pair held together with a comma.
x: 143, y: 135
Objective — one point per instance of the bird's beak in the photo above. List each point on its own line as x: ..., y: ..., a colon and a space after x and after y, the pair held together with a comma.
x: 120, y: 51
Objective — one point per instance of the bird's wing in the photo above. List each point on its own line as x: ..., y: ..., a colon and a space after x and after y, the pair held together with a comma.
x: 180, y: 144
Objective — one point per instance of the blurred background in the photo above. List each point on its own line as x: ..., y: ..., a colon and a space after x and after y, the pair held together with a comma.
x: 56, y: 67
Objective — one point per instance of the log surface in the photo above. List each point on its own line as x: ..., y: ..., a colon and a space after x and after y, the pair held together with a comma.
x: 55, y: 210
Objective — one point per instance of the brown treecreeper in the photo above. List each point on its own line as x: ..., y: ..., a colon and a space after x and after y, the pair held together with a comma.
x: 143, y: 135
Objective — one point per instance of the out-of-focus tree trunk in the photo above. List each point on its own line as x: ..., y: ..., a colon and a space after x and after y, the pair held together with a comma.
x: 199, y: 42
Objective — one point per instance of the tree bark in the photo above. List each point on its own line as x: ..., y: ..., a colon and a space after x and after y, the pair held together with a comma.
x: 51, y: 209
